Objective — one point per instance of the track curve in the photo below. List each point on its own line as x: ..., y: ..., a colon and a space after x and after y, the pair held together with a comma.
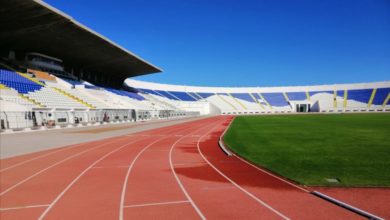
x: 175, y: 172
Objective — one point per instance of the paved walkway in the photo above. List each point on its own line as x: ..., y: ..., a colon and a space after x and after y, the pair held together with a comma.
x: 19, y: 143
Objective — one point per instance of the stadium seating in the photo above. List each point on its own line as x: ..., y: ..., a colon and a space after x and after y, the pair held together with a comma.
x: 205, y: 95
x: 111, y: 99
x: 296, y: 96
x: 243, y: 96
x: 64, y: 93
x: 175, y: 101
x: 137, y: 100
x: 248, y: 101
x: 166, y: 94
x: 326, y: 98
x: 359, y: 98
x: 132, y: 95
x: 275, y: 99
x: 16, y: 81
x: 194, y: 95
x: 87, y: 98
x: 149, y: 91
x: 36, y: 91
x: 263, y: 105
x: 221, y: 103
x: 183, y: 96
x: 52, y: 99
x: 11, y: 95
x: 381, y: 96
x: 229, y: 100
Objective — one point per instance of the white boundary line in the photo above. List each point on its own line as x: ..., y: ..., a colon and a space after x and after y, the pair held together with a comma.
x: 180, y: 183
x: 125, y: 183
x: 122, y: 200
x: 53, y: 165
x: 80, y: 175
x: 266, y: 172
x: 321, y: 195
x: 258, y: 168
x: 234, y: 183
x: 55, y: 150
x: 155, y: 204
x: 23, y: 207
x: 44, y: 155
x: 221, y: 143
x: 64, y: 147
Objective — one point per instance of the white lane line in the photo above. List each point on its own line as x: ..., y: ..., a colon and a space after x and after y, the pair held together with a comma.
x: 266, y: 172
x: 221, y: 142
x: 122, y: 201
x: 53, y: 165
x: 156, y: 204
x: 23, y: 207
x: 41, y: 156
x: 180, y: 183
x: 79, y: 176
x: 68, y: 147
x: 234, y: 183
x: 75, y: 145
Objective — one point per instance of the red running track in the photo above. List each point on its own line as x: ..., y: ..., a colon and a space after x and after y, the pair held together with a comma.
x: 175, y: 172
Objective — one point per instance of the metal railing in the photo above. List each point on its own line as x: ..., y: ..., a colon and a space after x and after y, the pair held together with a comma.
x: 36, y: 119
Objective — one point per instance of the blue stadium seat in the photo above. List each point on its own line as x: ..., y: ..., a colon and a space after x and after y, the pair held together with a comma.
x: 134, y: 95
x: 167, y: 95
x: 340, y: 93
x: 126, y: 93
x: 21, y: 84
x: 380, y: 96
x: 205, y: 94
x: 360, y: 95
x: 275, y: 99
x: 194, y: 95
x: 257, y: 96
x: 149, y: 91
x: 296, y: 96
x: 243, y: 96
x: 182, y: 96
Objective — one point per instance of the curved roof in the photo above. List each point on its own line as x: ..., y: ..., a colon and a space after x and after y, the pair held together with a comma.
x: 34, y: 26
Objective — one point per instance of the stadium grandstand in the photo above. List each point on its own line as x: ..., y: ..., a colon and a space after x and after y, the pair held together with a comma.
x: 42, y: 85
x: 363, y: 97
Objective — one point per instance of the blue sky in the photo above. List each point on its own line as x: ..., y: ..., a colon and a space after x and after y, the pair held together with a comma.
x: 247, y: 42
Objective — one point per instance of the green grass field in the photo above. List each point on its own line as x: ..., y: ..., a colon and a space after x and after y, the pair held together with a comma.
x: 354, y: 148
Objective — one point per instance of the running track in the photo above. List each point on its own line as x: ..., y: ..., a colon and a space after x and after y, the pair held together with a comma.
x: 175, y: 172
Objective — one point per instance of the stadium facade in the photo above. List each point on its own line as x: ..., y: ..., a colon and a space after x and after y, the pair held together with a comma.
x: 361, y: 97
x: 44, y: 85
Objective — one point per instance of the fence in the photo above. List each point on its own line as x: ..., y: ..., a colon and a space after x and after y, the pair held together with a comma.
x: 36, y: 119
